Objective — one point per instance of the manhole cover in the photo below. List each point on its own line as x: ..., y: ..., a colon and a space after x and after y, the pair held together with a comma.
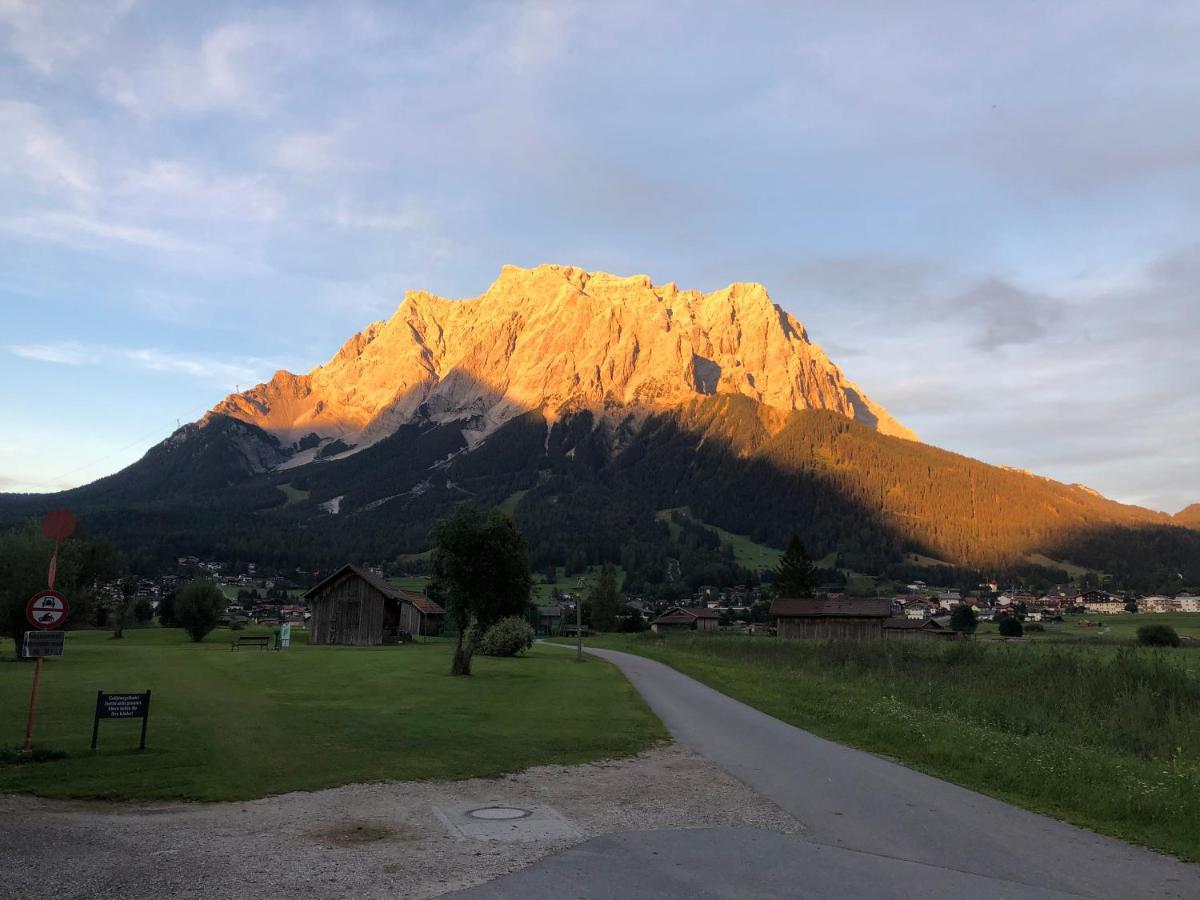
x: 498, y: 812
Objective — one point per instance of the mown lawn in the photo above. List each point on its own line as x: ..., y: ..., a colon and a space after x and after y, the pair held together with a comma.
x: 235, y: 725
x: 1104, y: 736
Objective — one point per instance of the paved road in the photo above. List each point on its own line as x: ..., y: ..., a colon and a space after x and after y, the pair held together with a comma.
x: 871, y: 826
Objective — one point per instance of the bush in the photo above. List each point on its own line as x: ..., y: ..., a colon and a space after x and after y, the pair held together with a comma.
x: 1010, y: 627
x: 1035, y: 626
x: 198, y: 608
x: 508, y: 637
x: 1157, y: 636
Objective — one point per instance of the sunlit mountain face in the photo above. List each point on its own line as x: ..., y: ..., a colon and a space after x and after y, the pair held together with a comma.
x: 554, y: 339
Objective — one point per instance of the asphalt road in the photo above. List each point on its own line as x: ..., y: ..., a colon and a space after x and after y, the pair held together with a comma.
x: 871, y: 827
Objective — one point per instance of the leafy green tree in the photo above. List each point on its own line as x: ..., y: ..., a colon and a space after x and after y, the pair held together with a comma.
x: 480, y: 573
x: 963, y: 619
x: 795, y: 575
x: 198, y: 608
x: 24, y: 559
x: 604, y: 601
x: 633, y: 623
x: 1010, y: 627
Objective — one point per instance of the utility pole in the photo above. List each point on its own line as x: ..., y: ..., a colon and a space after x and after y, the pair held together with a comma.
x: 579, y: 620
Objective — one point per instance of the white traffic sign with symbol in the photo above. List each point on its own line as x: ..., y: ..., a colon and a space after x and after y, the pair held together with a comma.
x: 47, y: 610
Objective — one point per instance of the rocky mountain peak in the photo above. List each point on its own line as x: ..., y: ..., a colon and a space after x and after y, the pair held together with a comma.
x: 556, y: 338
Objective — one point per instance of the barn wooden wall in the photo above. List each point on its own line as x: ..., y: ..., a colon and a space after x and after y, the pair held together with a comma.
x: 349, y: 611
x: 830, y: 628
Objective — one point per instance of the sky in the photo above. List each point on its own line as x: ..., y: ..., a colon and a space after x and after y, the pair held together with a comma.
x: 988, y: 214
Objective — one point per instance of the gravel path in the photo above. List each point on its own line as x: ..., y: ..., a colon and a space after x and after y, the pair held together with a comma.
x: 362, y: 841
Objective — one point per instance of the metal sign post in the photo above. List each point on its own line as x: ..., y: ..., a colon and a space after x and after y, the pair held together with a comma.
x: 47, y: 609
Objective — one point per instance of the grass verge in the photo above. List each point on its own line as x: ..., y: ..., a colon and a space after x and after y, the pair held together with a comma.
x: 1107, y: 737
x: 227, y: 726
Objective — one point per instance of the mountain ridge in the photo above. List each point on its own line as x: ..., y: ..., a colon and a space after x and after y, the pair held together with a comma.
x: 556, y: 339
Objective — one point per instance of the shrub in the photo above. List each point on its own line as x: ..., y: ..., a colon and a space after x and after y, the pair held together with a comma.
x: 1035, y: 626
x: 198, y: 608
x: 508, y: 637
x: 1010, y: 627
x: 1157, y: 636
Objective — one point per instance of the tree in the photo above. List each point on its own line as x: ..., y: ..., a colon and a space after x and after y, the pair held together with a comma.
x: 633, y: 623
x: 1131, y: 607
x: 1010, y: 627
x: 963, y: 619
x: 24, y: 559
x: 794, y: 577
x: 604, y: 601
x: 122, y: 610
x: 480, y: 573
x: 198, y: 608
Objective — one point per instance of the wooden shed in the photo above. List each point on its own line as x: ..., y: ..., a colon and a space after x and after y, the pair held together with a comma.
x: 843, y: 619
x: 356, y: 607
x: 901, y: 628
x: 687, y: 618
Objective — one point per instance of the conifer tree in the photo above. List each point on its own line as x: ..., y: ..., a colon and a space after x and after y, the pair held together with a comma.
x: 795, y: 575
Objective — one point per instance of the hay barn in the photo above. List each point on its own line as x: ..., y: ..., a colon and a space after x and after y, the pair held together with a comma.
x: 359, y: 608
x: 899, y: 628
x: 844, y: 619
x: 687, y: 618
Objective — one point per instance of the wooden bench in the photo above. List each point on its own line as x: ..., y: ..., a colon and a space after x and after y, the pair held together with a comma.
x: 263, y: 643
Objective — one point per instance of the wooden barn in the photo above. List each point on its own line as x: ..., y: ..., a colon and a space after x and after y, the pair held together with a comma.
x: 355, y: 607
x: 687, y: 618
x: 843, y: 619
x: 899, y: 628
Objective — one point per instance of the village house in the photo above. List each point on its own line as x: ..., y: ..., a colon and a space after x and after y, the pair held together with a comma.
x: 353, y: 606
x: 1188, y: 603
x: 686, y: 618
x: 847, y: 618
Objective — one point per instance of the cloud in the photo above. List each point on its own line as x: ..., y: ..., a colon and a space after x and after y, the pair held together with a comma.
x: 1006, y: 313
x: 171, y: 188
x: 33, y: 151
x: 86, y: 232
x: 231, y: 69
x: 308, y: 152
x: 220, y: 370
x: 68, y: 353
x: 45, y: 34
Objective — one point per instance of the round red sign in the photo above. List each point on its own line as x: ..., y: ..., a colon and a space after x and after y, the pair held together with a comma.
x: 58, y: 524
x: 47, y: 610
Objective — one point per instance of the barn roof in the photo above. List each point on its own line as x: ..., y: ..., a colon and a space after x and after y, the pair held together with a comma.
x: 673, y: 620
x: 912, y: 624
x: 419, y: 600
x: 849, y: 608
x: 687, y: 613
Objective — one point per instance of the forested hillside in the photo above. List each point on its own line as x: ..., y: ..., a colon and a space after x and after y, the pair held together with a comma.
x: 586, y: 493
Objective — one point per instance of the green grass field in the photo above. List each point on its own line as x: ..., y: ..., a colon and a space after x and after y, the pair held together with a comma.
x: 1105, y: 629
x: 1104, y: 736
x: 543, y: 591
x: 749, y: 555
x: 234, y: 725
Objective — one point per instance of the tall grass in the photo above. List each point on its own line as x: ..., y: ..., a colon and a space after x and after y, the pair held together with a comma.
x: 1105, y: 736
